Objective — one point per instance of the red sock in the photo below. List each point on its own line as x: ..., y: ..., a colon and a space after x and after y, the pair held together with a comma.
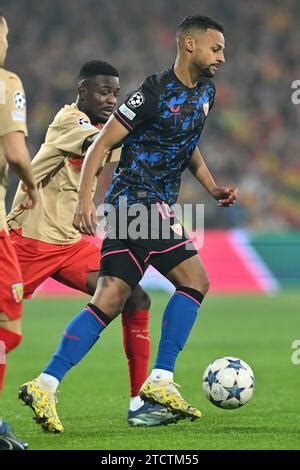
x: 8, y: 341
x: 136, y: 342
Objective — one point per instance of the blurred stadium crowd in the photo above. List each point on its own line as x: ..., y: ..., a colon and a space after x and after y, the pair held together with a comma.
x: 252, y: 135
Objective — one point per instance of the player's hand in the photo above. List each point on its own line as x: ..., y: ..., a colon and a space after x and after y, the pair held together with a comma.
x: 85, y: 216
x: 226, y: 197
x: 32, y: 198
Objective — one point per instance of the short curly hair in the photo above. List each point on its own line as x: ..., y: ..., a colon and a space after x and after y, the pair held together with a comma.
x: 97, y: 67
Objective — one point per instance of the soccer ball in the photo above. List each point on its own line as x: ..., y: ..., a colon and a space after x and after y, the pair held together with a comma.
x: 228, y: 382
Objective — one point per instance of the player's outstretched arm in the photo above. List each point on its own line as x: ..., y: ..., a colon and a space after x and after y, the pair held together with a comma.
x: 110, y: 136
x: 17, y: 155
x: 226, y: 196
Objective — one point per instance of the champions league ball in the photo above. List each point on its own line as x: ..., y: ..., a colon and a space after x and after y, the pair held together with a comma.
x: 228, y: 382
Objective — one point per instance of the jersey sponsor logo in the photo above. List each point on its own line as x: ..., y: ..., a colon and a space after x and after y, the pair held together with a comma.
x: 206, y: 108
x: 127, y: 112
x: 18, y: 116
x: 84, y: 123
x: 136, y: 100
x: 174, y: 109
x: 17, y: 292
x: 19, y: 100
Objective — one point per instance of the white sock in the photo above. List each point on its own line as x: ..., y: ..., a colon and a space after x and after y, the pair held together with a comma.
x: 48, y: 382
x: 135, y: 403
x: 161, y: 374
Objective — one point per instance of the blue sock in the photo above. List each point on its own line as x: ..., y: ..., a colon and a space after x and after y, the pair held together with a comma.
x: 78, y: 338
x: 177, y: 322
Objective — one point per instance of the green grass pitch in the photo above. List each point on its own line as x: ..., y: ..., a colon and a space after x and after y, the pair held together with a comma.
x: 93, y: 398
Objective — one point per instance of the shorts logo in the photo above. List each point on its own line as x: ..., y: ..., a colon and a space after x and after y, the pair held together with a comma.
x: 127, y: 112
x: 17, y: 292
x: 84, y: 123
x: 19, y: 100
x: 177, y: 228
x: 206, y: 108
x: 136, y: 100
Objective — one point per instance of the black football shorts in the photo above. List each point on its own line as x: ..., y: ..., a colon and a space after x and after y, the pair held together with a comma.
x: 133, y: 243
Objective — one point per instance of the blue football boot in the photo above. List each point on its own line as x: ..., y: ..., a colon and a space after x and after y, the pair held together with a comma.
x: 8, y: 441
x: 152, y: 415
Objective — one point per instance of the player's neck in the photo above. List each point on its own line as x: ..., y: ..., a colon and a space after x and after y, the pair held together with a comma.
x: 83, y: 109
x: 189, y: 77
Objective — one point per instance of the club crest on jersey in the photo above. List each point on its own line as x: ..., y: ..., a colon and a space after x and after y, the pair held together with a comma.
x: 136, y: 100
x: 19, y: 100
x: 84, y: 123
x: 206, y: 108
x: 17, y: 292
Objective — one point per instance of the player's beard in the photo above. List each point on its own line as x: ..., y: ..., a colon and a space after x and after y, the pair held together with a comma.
x: 204, y: 70
x: 207, y: 72
x: 98, y: 120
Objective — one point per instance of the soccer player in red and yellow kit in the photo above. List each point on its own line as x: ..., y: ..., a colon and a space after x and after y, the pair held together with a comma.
x: 48, y: 245
x: 13, y: 152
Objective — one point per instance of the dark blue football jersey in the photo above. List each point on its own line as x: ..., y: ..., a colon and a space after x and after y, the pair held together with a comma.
x: 165, y: 119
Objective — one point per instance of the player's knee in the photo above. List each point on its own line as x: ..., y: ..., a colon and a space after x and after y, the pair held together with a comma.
x: 139, y: 300
x: 204, y: 285
x: 91, y: 282
x: 200, y: 284
x: 145, y: 302
x: 10, y: 318
x: 114, y: 305
x: 111, y: 296
x: 120, y: 299
x: 15, y: 325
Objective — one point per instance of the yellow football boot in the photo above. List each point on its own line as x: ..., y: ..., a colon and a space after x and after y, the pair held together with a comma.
x: 165, y: 393
x: 43, y: 405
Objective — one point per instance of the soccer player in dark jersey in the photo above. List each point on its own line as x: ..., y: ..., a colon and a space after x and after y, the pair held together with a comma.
x: 159, y: 126
x: 47, y: 244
